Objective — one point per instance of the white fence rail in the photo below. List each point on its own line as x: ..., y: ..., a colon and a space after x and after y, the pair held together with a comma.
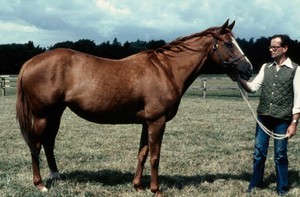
x: 8, y: 83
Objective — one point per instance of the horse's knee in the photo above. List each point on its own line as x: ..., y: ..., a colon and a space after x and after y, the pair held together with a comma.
x: 154, y: 162
x: 143, y: 154
x: 142, y: 160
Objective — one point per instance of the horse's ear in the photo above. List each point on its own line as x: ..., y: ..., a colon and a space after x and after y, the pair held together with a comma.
x: 224, y: 26
x: 231, y: 25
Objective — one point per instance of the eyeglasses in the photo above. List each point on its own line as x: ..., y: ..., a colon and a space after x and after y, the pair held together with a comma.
x: 274, y: 48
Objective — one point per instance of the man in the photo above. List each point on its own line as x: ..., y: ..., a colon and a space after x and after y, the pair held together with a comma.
x: 278, y: 110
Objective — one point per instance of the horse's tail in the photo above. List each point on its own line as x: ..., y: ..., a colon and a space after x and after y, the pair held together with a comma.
x: 24, y: 113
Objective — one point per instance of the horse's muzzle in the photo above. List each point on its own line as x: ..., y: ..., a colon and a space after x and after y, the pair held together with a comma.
x: 244, y: 70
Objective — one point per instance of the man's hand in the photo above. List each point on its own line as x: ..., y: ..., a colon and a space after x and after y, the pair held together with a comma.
x: 291, y: 131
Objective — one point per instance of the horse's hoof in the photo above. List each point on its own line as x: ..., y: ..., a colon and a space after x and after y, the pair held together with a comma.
x: 54, y: 176
x: 43, y: 189
x: 158, y: 194
x: 139, y: 188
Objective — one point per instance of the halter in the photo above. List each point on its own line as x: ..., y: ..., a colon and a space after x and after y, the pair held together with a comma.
x: 224, y: 62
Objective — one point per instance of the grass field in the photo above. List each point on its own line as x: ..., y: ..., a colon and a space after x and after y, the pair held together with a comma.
x: 207, y: 151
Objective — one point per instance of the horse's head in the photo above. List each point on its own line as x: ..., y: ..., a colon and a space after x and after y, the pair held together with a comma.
x: 226, y: 51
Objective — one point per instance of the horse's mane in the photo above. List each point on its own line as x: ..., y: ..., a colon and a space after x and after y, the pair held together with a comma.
x: 180, y: 43
x: 200, y: 34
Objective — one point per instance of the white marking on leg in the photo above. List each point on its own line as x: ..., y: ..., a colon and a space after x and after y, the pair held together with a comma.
x: 43, y: 189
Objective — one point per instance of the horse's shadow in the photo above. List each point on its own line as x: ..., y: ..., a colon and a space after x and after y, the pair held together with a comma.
x: 114, y: 177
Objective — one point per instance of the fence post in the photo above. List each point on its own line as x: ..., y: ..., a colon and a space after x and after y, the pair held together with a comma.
x: 7, y: 82
x: 204, y: 87
x: 2, y: 86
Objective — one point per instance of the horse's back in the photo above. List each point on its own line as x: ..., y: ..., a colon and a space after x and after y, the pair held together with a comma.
x: 60, y: 66
x: 96, y: 88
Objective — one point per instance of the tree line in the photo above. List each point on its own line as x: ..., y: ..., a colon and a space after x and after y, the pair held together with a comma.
x: 12, y: 56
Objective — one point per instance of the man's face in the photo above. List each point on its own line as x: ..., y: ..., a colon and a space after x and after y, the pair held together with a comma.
x: 276, y: 49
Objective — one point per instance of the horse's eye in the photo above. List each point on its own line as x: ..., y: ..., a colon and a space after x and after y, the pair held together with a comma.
x: 228, y: 45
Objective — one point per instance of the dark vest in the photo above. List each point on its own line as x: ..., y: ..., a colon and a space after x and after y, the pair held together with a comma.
x: 277, y: 93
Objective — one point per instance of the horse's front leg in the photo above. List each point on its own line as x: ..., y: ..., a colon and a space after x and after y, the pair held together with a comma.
x: 142, y: 157
x: 155, y: 132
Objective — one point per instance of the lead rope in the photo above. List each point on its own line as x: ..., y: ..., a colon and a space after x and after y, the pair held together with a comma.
x: 265, y: 129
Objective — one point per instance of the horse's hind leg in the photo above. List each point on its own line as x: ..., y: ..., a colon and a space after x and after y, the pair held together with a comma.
x: 35, y: 143
x: 142, y: 156
x: 49, y: 143
x: 45, y: 130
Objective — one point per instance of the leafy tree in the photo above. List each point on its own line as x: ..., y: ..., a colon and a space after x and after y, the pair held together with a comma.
x: 138, y: 46
x: 155, y: 44
x: 66, y: 44
x: 12, y: 56
x: 84, y: 45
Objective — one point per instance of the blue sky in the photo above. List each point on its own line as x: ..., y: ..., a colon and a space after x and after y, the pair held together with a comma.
x: 48, y: 22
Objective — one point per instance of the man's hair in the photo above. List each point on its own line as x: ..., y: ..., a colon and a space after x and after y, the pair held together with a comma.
x: 285, y: 39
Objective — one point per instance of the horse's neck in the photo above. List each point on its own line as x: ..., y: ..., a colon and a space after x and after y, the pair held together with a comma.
x: 186, y: 65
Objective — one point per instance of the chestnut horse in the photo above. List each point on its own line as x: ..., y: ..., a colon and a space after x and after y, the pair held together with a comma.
x: 145, y: 88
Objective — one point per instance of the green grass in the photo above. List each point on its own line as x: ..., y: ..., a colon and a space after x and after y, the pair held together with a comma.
x: 207, y: 151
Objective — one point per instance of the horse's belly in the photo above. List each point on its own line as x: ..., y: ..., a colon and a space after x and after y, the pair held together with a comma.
x: 109, y: 117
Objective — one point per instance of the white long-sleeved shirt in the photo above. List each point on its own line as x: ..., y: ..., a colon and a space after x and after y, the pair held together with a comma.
x: 258, y: 80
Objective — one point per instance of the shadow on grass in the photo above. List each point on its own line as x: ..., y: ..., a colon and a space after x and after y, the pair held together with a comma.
x: 106, y: 177
x: 113, y: 177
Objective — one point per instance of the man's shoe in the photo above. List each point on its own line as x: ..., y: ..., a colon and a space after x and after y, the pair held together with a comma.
x: 249, y: 192
x: 283, y: 194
